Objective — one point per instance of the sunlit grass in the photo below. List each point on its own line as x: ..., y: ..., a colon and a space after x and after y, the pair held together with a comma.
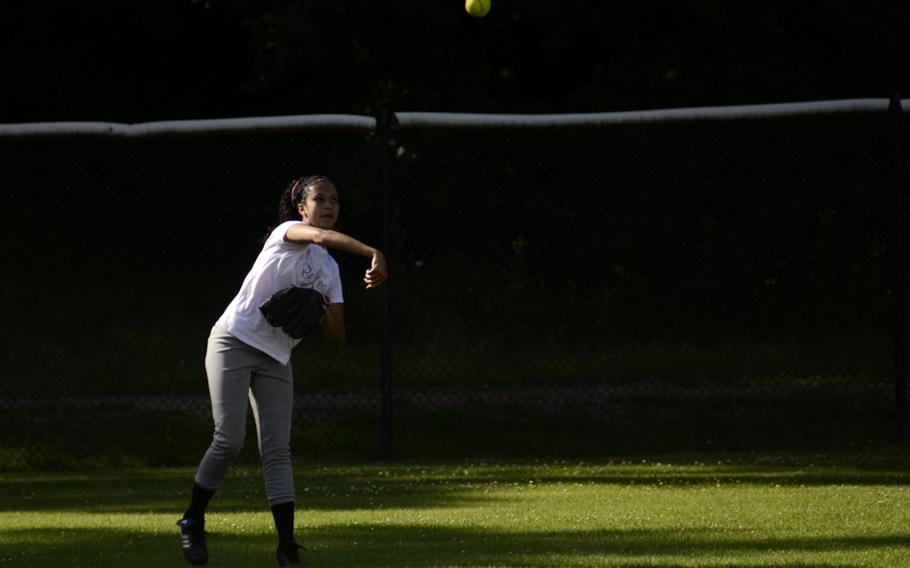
x: 746, y: 510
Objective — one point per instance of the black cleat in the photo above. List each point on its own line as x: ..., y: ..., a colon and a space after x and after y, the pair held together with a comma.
x: 289, y: 556
x: 192, y: 540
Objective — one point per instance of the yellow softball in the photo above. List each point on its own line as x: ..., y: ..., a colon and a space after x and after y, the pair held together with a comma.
x: 477, y: 8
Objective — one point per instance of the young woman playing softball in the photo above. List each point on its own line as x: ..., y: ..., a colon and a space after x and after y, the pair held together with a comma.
x: 248, y: 359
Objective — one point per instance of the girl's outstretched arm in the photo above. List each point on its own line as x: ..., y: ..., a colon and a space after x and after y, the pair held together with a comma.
x: 303, y: 233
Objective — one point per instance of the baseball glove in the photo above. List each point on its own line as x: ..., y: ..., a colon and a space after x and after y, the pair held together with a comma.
x: 294, y: 310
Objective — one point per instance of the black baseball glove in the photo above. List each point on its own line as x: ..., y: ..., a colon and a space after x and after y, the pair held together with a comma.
x: 294, y: 310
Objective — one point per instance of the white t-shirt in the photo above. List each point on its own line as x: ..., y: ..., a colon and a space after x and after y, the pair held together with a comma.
x: 279, y: 265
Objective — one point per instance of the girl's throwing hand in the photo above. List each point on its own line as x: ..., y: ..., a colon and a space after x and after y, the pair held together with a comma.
x: 377, y: 273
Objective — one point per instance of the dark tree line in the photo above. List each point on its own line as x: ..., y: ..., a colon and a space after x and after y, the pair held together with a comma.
x: 133, y: 61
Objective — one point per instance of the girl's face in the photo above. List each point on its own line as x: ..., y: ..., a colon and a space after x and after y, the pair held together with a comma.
x: 320, y: 208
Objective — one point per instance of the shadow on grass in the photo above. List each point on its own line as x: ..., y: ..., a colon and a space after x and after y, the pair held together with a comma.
x: 402, y: 485
x: 432, y: 546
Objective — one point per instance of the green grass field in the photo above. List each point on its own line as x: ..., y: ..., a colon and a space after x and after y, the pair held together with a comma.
x: 735, y: 510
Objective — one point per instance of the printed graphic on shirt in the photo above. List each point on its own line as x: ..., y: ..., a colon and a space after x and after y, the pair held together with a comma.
x: 307, y: 275
x: 311, y: 272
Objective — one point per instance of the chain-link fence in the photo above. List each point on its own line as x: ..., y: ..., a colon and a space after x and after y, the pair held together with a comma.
x: 563, y: 289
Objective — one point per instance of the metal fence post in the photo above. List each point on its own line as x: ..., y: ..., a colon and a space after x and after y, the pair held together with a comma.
x: 900, y: 380
x: 382, y: 125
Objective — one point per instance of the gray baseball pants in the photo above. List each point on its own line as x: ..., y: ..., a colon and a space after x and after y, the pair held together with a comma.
x: 237, y: 371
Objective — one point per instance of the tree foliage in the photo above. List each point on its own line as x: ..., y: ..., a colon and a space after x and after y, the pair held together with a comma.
x: 132, y: 60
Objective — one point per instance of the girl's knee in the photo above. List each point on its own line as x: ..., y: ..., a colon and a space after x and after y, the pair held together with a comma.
x: 228, y: 445
x: 275, y: 455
